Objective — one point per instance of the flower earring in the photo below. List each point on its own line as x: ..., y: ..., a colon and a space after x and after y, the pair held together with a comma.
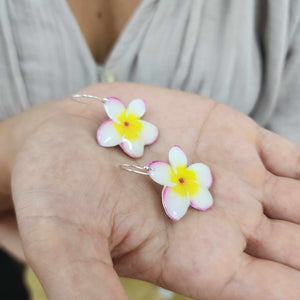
x: 125, y: 127
x: 184, y: 185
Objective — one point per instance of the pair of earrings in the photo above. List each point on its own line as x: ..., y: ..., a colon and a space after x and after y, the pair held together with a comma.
x: 184, y: 185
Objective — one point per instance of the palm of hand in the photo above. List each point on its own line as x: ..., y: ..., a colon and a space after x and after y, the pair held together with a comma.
x: 78, y: 207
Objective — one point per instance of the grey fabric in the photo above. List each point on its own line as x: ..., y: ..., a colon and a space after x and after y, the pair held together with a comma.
x: 42, y: 55
x: 242, y: 53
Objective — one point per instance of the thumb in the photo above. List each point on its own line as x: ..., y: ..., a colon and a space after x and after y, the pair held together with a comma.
x: 83, y: 280
x: 69, y: 265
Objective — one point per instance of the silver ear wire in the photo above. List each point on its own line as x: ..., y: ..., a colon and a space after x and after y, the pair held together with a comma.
x: 78, y: 96
x: 136, y: 169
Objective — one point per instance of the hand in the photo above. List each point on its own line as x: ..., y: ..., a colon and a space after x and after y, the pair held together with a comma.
x: 81, y: 217
x: 13, y: 133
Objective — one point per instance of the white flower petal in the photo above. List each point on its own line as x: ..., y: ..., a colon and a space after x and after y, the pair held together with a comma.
x: 107, y: 135
x: 134, y: 148
x: 136, y: 107
x: 160, y: 172
x: 202, y: 200
x: 203, y: 174
x: 114, y: 107
x: 174, y: 204
x: 149, y: 133
x: 177, y: 157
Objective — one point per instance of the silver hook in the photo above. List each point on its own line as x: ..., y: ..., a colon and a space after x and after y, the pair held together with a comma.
x: 102, y: 100
x: 136, y: 169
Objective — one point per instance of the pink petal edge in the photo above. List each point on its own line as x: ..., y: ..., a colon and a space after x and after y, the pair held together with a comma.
x: 129, y: 154
x: 144, y: 104
x: 157, y: 161
x: 178, y: 147
x: 154, y: 140
x: 115, y: 98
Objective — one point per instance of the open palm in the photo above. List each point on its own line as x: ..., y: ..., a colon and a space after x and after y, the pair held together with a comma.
x: 83, y: 220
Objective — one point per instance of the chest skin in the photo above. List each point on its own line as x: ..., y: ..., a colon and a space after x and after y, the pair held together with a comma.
x: 101, y: 22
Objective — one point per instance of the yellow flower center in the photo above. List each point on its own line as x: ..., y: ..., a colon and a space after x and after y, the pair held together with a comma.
x: 185, y: 180
x: 129, y: 126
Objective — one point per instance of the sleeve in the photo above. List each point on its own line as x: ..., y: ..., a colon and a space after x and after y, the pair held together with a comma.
x: 286, y: 118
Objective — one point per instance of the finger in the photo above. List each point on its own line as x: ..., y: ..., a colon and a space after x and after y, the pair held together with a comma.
x: 279, y: 155
x: 9, y: 236
x: 281, y: 198
x: 276, y: 240
x: 259, y: 279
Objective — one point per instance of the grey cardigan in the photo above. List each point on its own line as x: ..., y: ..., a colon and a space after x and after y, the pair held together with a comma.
x: 242, y: 53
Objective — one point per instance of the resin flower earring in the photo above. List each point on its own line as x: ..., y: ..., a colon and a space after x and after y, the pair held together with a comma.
x: 125, y: 127
x: 184, y: 185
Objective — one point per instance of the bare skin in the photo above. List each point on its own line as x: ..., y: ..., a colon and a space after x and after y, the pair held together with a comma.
x: 78, y: 212
x: 83, y: 220
x: 102, y: 22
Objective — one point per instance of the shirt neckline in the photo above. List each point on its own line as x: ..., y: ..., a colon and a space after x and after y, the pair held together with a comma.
x: 127, y: 33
